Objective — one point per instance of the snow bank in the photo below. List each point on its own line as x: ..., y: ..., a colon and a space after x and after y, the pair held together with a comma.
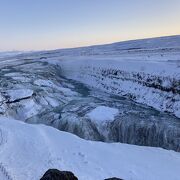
x: 27, y: 151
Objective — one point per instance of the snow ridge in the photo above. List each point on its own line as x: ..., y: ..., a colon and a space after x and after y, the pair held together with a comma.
x: 4, y: 175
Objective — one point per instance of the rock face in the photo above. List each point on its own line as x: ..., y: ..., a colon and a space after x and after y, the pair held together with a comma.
x: 54, y: 174
x: 114, y: 178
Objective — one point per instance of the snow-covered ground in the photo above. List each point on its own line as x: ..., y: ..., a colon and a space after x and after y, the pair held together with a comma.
x: 27, y: 151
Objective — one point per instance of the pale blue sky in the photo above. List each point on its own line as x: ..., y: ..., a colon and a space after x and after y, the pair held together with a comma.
x: 52, y: 24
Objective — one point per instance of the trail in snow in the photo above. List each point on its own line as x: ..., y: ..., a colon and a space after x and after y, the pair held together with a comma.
x: 3, y: 172
x: 48, y: 145
x: 2, y: 175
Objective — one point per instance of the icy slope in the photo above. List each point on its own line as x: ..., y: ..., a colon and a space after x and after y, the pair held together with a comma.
x: 27, y: 151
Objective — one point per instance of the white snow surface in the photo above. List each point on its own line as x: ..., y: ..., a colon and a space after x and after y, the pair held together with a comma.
x: 27, y: 151
x: 103, y: 114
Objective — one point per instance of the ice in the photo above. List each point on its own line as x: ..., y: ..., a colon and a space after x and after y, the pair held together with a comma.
x: 17, y: 94
x: 48, y: 83
x: 102, y: 114
x: 43, y: 82
x: 27, y: 109
x: 67, y: 91
x: 51, y: 101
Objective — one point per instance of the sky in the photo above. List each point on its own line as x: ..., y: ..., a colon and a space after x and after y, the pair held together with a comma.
x: 53, y: 24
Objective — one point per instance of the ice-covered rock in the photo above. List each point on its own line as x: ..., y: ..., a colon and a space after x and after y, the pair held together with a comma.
x: 43, y: 82
x: 25, y: 109
x: 17, y: 94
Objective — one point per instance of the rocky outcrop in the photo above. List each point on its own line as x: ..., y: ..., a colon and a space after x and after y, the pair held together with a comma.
x: 114, y: 178
x: 54, y: 174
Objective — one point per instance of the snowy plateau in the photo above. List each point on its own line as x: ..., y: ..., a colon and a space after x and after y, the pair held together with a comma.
x: 100, y: 111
